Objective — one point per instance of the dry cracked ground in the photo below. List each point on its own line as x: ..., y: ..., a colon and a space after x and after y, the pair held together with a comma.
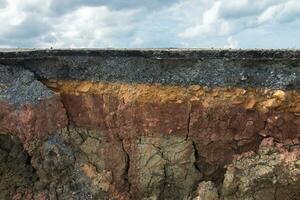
x: 63, y: 137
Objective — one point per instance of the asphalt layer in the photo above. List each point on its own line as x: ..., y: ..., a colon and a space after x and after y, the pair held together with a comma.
x: 276, y: 69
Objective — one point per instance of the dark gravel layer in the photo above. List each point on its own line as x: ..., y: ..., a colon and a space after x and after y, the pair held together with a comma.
x: 238, y: 68
x: 19, y: 86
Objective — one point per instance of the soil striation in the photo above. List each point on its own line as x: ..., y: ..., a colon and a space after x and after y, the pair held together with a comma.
x: 149, y: 124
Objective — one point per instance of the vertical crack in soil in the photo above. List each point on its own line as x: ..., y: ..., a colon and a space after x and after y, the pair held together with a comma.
x: 189, y: 120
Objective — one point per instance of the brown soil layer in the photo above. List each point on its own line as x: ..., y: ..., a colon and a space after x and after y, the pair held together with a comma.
x: 141, y: 141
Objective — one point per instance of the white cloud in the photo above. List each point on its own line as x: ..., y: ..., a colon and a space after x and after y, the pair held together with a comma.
x: 284, y: 12
x: 268, y: 14
x: 231, y: 43
x: 86, y: 28
x: 222, y: 19
x: 211, y: 15
x: 32, y: 24
x: 150, y: 23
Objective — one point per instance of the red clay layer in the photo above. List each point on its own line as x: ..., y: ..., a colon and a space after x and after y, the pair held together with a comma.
x: 30, y: 122
x: 218, y: 132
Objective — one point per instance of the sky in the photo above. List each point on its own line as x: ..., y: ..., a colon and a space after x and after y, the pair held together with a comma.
x: 150, y: 23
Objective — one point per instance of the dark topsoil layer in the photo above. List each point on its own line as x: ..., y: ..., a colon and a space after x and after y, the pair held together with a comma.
x: 212, y: 68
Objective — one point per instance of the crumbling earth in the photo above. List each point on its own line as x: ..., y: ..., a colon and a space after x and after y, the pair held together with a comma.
x: 271, y: 173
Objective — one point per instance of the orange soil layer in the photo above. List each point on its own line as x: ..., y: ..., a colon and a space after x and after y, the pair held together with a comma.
x: 260, y: 99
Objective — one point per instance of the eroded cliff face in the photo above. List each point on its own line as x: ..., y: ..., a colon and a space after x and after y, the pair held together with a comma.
x: 153, y: 124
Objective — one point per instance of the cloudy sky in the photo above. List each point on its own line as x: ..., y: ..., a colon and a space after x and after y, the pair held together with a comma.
x: 150, y: 23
